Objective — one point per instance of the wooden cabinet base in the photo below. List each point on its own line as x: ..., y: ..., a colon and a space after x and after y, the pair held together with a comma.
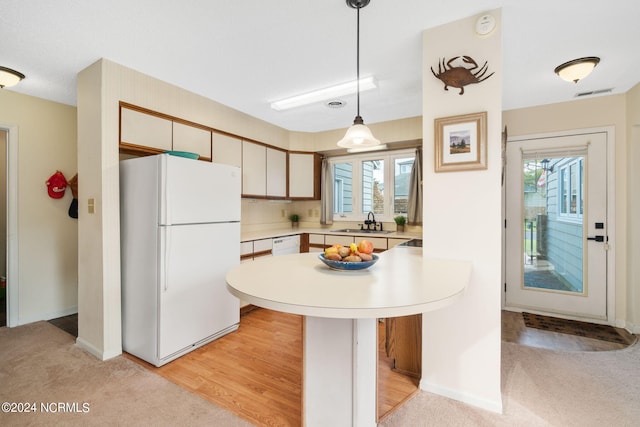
x: 404, y: 344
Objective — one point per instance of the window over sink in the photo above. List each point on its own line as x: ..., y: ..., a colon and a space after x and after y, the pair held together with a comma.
x: 375, y: 182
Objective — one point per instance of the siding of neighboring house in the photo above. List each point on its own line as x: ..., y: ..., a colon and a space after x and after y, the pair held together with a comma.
x: 343, y: 172
x: 563, y: 237
x: 368, y: 204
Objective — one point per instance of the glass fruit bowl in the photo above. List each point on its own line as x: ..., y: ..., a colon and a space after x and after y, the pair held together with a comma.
x: 348, y: 266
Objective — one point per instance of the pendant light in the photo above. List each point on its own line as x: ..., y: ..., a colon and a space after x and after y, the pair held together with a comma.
x: 358, y: 135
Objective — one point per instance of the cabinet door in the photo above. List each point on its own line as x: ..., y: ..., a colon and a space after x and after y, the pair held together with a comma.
x: 316, y: 243
x: 254, y: 169
x: 145, y: 130
x: 379, y: 243
x: 192, y: 139
x: 276, y: 173
x: 304, y: 175
x: 226, y: 150
x: 331, y: 239
x: 394, y: 242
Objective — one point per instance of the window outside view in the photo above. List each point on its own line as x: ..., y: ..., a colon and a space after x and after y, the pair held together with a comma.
x: 372, y: 183
x: 552, y: 229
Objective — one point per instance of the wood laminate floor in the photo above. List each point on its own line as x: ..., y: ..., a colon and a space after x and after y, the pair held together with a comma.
x: 256, y: 372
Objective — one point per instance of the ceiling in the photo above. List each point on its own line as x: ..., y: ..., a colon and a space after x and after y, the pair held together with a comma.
x: 246, y: 54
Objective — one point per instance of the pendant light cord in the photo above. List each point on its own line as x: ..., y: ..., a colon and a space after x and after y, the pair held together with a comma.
x: 358, y: 57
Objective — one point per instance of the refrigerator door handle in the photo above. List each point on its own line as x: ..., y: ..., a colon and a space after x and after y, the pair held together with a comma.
x: 165, y: 212
x: 166, y: 257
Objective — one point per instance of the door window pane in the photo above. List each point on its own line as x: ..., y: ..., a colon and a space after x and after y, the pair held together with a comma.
x: 552, y: 230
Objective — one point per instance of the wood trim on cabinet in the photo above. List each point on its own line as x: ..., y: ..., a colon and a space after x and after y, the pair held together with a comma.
x: 262, y: 253
x: 133, y: 149
x: 304, y: 242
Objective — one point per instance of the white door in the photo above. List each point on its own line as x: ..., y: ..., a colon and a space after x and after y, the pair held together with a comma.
x: 194, y: 300
x: 556, y: 225
x: 198, y: 192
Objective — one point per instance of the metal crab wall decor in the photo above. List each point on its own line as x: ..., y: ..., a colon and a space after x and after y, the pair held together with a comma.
x: 460, y: 76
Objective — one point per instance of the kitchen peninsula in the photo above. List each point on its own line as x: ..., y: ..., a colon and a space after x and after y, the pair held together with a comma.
x: 340, y: 310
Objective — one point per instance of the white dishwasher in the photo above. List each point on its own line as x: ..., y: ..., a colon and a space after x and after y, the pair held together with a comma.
x: 286, y: 245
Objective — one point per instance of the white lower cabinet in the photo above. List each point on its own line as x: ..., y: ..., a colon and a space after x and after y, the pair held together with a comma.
x: 330, y: 240
x: 316, y: 243
x: 394, y: 242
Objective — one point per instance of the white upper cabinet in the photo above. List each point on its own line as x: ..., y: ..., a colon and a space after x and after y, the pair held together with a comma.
x: 304, y: 176
x: 254, y: 169
x: 192, y: 139
x: 264, y: 171
x: 276, y: 173
x: 226, y: 149
x: 145, y: 130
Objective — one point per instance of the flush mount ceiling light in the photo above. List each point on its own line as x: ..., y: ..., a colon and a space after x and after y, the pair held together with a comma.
x: 366, y: 83
x: 577, y: 69
x: 358, y: 135
x: 9, y: 77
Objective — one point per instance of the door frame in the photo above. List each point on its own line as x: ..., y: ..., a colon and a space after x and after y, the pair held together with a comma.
x: 13, y: 282
x: 611, y: 218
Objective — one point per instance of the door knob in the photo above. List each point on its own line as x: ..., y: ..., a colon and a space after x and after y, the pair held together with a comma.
x: 596, y: 238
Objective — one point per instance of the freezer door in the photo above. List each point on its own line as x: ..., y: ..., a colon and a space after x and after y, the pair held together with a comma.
x: 194, y: 301
x: 193, y: 191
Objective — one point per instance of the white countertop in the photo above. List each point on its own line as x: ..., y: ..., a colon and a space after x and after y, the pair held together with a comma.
x: 401, y: 283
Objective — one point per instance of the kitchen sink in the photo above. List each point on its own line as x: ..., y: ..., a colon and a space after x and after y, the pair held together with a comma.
x: 359, y: 231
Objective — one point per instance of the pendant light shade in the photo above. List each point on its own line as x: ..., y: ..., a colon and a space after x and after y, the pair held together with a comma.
x: 358, y: 135
x: 9, y: 77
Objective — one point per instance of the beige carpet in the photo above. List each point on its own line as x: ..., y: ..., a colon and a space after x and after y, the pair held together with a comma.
x: 41, y: 364
x: 543, y: 387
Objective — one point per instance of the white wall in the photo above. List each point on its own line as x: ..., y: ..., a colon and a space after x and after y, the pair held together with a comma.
x: 46, y: 235
x: 633, y: 198
x: 462, y: 220
x: 390, y: 132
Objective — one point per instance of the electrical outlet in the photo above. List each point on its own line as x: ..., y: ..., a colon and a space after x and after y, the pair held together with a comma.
x: 91, y: 205
x: 310, y: 212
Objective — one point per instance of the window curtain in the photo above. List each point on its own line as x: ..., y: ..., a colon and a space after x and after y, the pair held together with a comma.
x: 326, y: 189
x: 414, y: 211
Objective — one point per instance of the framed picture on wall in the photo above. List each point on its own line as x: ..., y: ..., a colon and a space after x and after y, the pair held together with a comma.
x: 461, y: 142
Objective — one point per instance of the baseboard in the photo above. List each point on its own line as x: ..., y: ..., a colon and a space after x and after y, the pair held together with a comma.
x: 470, y: 399
x: 634, y: 329
x: 247, y: 309
x: 90, y: 348
x: 48, y: 316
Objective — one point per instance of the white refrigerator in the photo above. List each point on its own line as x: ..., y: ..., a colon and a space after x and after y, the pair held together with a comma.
x: 180, y: 234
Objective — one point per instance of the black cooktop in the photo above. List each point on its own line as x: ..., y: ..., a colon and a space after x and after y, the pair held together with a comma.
x: 416, y: 243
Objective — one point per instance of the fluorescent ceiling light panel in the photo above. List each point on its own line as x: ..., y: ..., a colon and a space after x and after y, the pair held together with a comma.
x: 366, y: 83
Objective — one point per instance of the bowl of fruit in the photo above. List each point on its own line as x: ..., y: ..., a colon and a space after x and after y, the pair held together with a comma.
x: 348, y: 258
